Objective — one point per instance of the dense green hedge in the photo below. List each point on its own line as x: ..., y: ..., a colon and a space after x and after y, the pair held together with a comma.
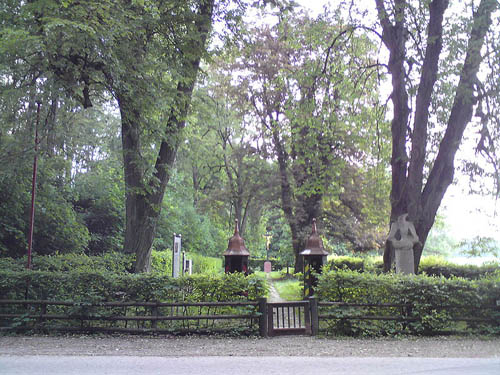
x: 95, y: 286
x: 88, y: 289
x: 109, y: 262
x: 431, y: 266
x: 434, y: 266
x: 161, y: 263
x: 427, y: 295
x: 349, y: 263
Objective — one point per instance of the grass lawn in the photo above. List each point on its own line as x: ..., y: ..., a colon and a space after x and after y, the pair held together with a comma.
x: 290, y: 290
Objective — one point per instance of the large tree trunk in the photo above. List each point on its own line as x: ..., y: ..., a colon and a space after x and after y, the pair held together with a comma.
x: 408, y: 194
x: 144, y: 196
x: 299, y: 210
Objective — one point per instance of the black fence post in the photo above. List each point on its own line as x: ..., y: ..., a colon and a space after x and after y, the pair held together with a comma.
x: 313, y: 306
x: 154, y: 316
x: 263, y: 317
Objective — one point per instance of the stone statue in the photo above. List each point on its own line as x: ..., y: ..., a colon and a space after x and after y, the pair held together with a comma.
x: 403, y: 237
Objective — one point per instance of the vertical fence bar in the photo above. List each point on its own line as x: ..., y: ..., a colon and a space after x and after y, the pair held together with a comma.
x: 313, y: 306
x: 154, y: 315
x: 307, y: 317
x: 43, y: 311
x: 263, y: 330
x: 270, y: 320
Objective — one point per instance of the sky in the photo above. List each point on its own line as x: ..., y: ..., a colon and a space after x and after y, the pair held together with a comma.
x: 466, y: 216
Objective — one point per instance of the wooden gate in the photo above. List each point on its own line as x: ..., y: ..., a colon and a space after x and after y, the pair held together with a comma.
x: 288, y: 318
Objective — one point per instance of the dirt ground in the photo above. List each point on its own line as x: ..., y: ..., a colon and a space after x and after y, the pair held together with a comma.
x: 435, y: 347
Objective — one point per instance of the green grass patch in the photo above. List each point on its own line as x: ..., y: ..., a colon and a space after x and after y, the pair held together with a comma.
x: 273, y: 275
x: 290, y: 290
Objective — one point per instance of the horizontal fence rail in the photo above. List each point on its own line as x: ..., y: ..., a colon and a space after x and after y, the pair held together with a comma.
x: 347, y: 318
x: 131, y: 316
x: 301, y: 317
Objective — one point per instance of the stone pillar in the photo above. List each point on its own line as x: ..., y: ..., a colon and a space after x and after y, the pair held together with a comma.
x: 403, y: 237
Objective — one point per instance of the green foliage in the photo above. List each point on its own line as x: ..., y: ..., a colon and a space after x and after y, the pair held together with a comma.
x: 110, y: 262
x: 58, y: 228
x: 100, y: 206
x: 99, y: 286
x: 480, y: 246
x: 435, y: 302
x: 161, y: 263
x: 430, y: 266
x: 439, y: 242
x: 290, y: 290
x: 435, y: 266
x: 346, y: 263
x: 200, y: 233
x: 205, y: 265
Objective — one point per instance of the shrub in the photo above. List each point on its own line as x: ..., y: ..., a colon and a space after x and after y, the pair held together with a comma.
x: 346, y: 263
x: 429, y: 298
x: 109, y: 262
x: 161, y: 263
x: 431, y: 266
x: 95, y: 286
x: 204, y: 264
x: 435, y: 266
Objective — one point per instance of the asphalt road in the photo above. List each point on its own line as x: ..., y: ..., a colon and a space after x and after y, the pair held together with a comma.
x: 125, y: 365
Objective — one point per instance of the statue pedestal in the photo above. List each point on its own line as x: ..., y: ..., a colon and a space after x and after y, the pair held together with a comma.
x: 405, y: 263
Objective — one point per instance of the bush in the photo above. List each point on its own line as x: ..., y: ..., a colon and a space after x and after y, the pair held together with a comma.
x: 431, y: 266
x: 435, y: 266
x: 109, y: 262
x: 95, y: 286
x: 161, y: 263
x: 206, y: 265
x: 346, y: 263
x: 88, y: 290
x: 427, y: 295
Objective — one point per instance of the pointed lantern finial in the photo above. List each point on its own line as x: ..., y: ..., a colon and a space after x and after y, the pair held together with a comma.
x: 314, y: 244
x: 236, y: 245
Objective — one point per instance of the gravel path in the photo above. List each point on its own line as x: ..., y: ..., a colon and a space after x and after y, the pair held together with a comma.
x: 274, y: 296
x: 436, y: 347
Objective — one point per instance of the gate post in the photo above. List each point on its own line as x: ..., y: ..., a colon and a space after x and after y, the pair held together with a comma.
x: 263, y: 317
x: 313, y: 306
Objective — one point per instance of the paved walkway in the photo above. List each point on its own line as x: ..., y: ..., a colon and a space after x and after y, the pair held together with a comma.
x: 81, y: 365
x: 286, y: 346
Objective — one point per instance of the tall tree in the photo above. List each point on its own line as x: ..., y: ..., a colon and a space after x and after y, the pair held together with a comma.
x: 413, y: 32
x: 310, y: 86
x: 146, y: 55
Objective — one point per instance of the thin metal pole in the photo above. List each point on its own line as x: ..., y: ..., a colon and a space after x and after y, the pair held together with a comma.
x: 33, y: 188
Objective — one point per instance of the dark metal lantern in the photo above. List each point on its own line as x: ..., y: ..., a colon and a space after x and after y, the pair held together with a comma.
x: 314, y: 258
x: 236, y: 255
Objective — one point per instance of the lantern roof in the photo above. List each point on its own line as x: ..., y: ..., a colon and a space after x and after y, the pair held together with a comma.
x: 236, y: 245
x: 314, y: 244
